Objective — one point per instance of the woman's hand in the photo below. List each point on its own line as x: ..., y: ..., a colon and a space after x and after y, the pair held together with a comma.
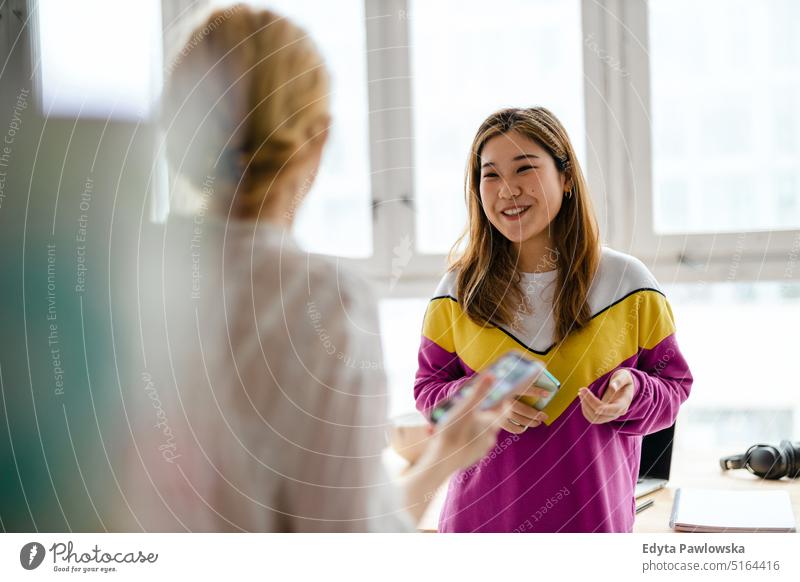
x: 523, y: 416
x: 468, y: 432
x: 465, y: 435
x: 615, y: 402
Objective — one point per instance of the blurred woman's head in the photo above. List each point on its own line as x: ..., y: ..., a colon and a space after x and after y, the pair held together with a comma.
x: 246, y: 113
x: 524, y: 185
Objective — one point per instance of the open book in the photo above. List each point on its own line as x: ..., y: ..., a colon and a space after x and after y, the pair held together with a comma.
x: 713, y: 510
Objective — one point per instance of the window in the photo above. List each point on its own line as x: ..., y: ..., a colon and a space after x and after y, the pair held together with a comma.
x: 750, y: 362
x: 519, y: 54
x: 395, y: 81
x: 77, y: 40
x: 730, y: 160
x: 701, y: 137
x: 401, y: 327
x: 690, y: 142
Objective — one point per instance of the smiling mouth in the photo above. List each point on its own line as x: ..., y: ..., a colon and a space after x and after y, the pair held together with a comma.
x: 515, y: 212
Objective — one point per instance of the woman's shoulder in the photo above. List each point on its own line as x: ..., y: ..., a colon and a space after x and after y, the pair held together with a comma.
x: 618, y: 276
x: 330, y: 281
x: 272, y: 261
x: 625, y: 269
x: 447, y: 285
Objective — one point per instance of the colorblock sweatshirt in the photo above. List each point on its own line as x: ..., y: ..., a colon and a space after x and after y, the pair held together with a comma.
x: 566, y: 475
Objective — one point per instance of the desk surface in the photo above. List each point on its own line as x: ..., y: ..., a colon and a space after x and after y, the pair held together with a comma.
x: 655, y: 519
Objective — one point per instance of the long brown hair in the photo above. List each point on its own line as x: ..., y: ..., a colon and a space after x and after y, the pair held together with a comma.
x: 488, y: 281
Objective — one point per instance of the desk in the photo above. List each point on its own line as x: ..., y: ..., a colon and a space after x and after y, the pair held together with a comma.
x: 655, y: 519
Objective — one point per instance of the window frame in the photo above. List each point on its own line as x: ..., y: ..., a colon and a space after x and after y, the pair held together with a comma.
x: 728, y: 256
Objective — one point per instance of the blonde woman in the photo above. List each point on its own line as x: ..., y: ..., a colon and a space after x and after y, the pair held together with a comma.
x: 264, y: 363
x: 533, y: 276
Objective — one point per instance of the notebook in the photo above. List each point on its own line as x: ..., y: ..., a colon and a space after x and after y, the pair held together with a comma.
x: 712, y: 510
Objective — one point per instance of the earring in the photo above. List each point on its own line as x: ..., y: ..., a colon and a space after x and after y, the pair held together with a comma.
x: 568, y: 194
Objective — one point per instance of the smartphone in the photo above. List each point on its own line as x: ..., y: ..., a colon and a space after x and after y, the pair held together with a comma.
x: 511, y: 371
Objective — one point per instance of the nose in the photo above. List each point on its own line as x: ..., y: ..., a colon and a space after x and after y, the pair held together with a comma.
x: 509, y: 190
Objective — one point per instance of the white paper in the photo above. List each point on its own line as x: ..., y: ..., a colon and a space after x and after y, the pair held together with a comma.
x: 737, y: 510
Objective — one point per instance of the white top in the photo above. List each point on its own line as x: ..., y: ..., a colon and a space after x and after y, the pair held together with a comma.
x: 538, y: 326
x: 265, y: 387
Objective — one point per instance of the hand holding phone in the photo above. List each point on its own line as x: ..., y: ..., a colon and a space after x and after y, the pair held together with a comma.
x: 544, y: 381
x: 512, y: 373
x: 468, y: 430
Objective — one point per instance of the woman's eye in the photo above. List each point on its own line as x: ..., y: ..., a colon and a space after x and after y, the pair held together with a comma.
x: 526, y: 168
x: 490, y: 175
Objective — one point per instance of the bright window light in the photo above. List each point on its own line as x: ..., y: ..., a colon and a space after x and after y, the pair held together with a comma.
x: 99, y: 58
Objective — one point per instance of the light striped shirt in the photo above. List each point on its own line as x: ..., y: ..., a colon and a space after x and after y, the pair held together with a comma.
x: 265, y: 364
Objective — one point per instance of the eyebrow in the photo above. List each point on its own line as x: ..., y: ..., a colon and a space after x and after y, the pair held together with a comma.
x: 519, y: 157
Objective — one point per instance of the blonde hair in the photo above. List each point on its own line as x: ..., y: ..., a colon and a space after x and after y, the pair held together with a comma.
x: 488, y: 284
x: 243, y: 98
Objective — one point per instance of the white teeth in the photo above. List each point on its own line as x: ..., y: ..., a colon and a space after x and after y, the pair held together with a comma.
x: 514, y: 211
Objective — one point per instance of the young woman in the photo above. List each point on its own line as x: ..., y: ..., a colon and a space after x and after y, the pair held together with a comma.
x: 263, y: 404
x: 532, y: 276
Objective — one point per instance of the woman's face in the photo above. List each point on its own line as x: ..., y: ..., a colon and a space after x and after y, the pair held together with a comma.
x: 520, y: 186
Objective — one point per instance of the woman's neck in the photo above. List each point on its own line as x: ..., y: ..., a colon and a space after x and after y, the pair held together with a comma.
x: 287, y: 192
x: 282, y: 205
x: 536, y: 255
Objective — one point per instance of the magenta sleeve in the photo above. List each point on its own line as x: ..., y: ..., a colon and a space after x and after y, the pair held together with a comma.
x: 440, y: 374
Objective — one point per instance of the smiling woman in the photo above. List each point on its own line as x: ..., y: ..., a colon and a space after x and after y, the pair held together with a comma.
x: 533, y: 276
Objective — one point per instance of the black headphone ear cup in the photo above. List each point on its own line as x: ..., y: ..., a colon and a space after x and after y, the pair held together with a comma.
x: 783, y: 463
x: 767, y: 461
x: 792, y: 453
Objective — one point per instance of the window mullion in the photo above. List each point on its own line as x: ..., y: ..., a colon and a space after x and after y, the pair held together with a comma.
x: 605, y: 197
x: 390, y: 126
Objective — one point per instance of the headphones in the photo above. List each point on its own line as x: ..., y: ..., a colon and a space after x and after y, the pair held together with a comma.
x: 767, y: 461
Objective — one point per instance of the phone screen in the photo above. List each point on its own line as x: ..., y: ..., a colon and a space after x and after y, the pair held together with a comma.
x: 511, y: 371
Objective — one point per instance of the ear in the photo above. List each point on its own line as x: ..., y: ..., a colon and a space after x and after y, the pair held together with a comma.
x: 566, y: 181
x: 318, y: 131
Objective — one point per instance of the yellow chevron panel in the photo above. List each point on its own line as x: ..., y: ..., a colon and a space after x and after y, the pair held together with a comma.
x: 642, y: 319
